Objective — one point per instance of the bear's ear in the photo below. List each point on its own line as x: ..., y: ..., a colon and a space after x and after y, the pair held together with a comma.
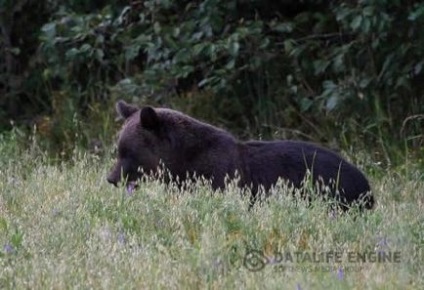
x: 149, y: 119
x: 125, y: 110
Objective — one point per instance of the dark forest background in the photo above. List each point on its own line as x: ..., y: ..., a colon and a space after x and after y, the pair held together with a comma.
x: 348, y: 74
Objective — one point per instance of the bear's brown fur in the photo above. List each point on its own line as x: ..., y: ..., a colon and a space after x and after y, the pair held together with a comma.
x: 188, y: 147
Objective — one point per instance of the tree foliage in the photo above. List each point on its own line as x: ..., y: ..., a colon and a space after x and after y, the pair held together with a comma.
x: 352, y: 66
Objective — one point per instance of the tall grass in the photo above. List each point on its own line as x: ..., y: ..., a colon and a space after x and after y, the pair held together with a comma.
x: 62, y: 226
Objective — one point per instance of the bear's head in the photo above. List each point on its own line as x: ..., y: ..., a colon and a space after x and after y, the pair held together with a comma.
x: 142, y: 144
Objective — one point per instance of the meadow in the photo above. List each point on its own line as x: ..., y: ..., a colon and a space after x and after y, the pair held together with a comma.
x: 62, y: 226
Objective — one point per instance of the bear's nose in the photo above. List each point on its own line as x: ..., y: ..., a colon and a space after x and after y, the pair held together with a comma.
x: 112, y: 180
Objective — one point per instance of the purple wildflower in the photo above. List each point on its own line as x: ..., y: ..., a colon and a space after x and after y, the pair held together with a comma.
x: 382, y: 245
x: 56, y: 212
x: 340, y: 274
x: 332, y: 214
x: 8, y: 249
x: 130, y: 188
x: 121, y: 238
x: 383, y: 242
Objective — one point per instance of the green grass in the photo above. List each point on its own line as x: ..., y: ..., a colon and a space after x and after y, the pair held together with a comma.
x: 62, y: 226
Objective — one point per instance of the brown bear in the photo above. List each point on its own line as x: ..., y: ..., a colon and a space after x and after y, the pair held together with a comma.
x: 155, y: 137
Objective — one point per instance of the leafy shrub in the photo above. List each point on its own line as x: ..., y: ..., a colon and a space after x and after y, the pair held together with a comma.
x: 322, y: 70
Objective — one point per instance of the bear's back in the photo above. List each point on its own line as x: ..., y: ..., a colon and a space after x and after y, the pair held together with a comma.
x: 266, y: 161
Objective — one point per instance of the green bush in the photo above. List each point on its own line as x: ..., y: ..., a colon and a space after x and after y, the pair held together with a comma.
x: 330, y: 71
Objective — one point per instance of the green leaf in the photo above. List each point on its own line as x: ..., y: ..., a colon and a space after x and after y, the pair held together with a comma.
x: 288, y: 45
x: 265, y: 43
x: 418, y: 67
x: 198, y: 49
x: 72, y: 53
x: 364, y: 83
x: 305, y: 104
x: 49, y: 30
x: 99, y: 54
x: 197, y: 36
x: 320, y: 66
x: 176, y: 32
x: 331, y: 102
x: 15, y: 50
x: 329, y: 85
x: 234, y: 48
x: 366, y: 25
x: 231, y: 64
x: 356, y: 22
x: 387, y: 63
x: 16, y: 239
x: 338, y: 63
x: 418, y: 13
x: 285, y: 27
x: 403, y: 82
x: 368, y: 11
x: 212, y: 52
x: 203, y: 82
x: 183, y: 55
x: 132, y: 51
x: 157, y: 27
x: 85, y: 47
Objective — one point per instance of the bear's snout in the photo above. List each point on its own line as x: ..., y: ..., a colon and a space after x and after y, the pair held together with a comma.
x: 115, y: 175
x: 111, y: 179
x: 121, y: 172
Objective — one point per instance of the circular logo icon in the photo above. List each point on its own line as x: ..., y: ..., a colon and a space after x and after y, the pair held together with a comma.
x: 254, y: 260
